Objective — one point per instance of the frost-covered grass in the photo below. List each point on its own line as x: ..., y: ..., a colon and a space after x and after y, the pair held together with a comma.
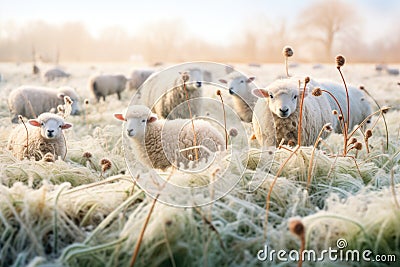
x: 73, y: 214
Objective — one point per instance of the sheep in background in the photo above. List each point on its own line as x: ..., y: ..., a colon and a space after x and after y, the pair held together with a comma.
x: 276, y: 114
x: 55, y: 73
x: 104, y: 85
x: 41, y: 136
x: 243, y: 100
x: 159, y: 143
x: 165, y: 100
x: 138, y: 77
x: 28, y: 101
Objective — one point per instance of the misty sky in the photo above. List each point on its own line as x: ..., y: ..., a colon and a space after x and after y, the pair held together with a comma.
x: 214, y: 21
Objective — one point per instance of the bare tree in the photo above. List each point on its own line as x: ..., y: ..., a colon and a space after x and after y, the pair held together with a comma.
x: 327, y: 21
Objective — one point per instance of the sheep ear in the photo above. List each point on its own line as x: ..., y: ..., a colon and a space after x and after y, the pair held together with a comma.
x: 152, y: 118
x: 119, y: 116
x: 222, y: 81
x: 261, y: 93
x: 35, y: 123
x: 250, y: 79
x: 61, y: 95
x: 66, y: 126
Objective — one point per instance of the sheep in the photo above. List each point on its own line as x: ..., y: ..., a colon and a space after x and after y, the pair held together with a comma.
x: 138, y: 77
x: 104, y: 85
x: 28, y: 101
x: 159, y: 143
x: 41, y: 136
x: 165, y: 97
x: 392, y: 71
x: 360, y: 108
x: 276, y: 114
x: 55, y: 73
x: 243, y: 99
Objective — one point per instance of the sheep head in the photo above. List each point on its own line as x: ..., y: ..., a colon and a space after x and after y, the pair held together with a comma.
x: 238, y: 86
x: 136, y: 118
x: 282, y: 100
x: 50, y: 126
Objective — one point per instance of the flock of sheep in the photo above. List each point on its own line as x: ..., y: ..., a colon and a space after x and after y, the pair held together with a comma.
x: 164, y: 129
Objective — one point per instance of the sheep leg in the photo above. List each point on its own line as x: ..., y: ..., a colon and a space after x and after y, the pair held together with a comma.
x: 119, y: 95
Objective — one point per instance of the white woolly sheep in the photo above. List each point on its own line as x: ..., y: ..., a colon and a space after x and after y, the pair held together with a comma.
x: 41, y: 136
x: 138, y: 77
x: 161, y: 143
x: 166, y: 101
x: 243, y: 100
x: 104, y: 85
x: 360, y: 108
x: 277, y: 113
x: 55, y: 73
x: 29, y: 101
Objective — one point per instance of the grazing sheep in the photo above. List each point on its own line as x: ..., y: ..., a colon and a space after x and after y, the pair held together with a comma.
x: 359, y: 107
x: 159, y: 142
x: 392, y: 71
x: 138, y: 77
x: 28, y: 101
x: 165, y: 100
x: 277, y: 113
x: 41, y: 136
x: 104, y: 85
x: 55, y: 73
x: 243, y: 99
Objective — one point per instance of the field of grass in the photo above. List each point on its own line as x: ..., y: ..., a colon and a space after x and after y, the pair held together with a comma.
x: 72, y: 213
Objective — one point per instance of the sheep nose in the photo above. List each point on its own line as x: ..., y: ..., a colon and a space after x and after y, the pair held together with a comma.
x: 198, y: 84
x: 284, y: 110
x: 50, y: 131
x: 130, y: 131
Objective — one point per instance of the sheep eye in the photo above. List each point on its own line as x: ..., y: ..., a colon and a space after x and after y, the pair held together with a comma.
x: 295, y: 96
x: 271, y: 96
x: 241, y: 81
x: 143, y: 120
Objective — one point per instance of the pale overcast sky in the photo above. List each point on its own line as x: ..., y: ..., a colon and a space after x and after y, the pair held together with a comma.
x: 211, y: 20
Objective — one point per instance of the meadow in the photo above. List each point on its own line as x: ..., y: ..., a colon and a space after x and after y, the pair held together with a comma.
x: 76, y: 213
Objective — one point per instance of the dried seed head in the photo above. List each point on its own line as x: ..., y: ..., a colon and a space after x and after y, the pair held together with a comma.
x: 328, y: 127
x: 218, y: 92
x: 307, y: 80
x: 67, y: 100
x: 340, y: 60
x: 340, y: 117
x: 361, y: 87
x: 368, y: 133
x: 48, y: 157
x: 60, y: 109
x: 233, y: 132
x: 296, y: 226
x: 385, y: 109
x: 334, y: 112
x: 291, y: 143
x: 105, y: 164
x: 358, y: 146
x: 317, y: 91
x: 20, y: 118
x: 353, y: 140
x: 87, y: 155
x: 185, y: 76
x: 287, y: 51
x: 86, y: 101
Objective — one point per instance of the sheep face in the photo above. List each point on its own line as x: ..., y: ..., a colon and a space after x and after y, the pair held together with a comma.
x: 282, y: 103
x: 50, y: 129
x: 238, y: 85
x: 136, y: 126
x: 193, y: 79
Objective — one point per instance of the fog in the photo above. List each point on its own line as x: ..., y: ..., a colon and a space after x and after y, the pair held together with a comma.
x: 319, y: 32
